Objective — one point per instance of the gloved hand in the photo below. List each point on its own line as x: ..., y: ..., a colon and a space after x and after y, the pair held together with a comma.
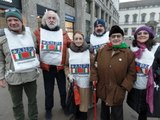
x: 94, y: 84
x: 70, y: 77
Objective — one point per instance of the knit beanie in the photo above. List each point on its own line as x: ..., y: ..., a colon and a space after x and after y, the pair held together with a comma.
x: 13, y: 12
x: 116, y: 29
x: 99, y: 21
x: 146, y: 28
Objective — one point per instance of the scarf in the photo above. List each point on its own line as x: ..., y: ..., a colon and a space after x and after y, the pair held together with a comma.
x: 123, y: 45
x: 150, y: 90
x: 140, y: 51
x: 47, y: 28
x: 82, y: 48
x: 150, y: 82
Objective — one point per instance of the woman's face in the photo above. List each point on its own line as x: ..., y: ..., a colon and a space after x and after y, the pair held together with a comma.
x: 142, y: 36
x: 78, y: 39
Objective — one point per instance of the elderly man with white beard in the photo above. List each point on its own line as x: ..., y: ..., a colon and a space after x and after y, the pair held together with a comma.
x: 53, y: 43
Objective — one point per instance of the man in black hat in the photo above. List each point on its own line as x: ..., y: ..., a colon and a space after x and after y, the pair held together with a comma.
x: 114, y: 75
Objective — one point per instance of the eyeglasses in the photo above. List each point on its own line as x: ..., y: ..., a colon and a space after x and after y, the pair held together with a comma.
x: 114, y: 36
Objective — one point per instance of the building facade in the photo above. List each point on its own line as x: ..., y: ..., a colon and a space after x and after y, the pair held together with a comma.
x: 136, y: 13
x: 74, y: 14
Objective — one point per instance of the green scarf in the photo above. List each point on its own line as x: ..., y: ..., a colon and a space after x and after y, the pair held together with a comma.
x: 121, y: 46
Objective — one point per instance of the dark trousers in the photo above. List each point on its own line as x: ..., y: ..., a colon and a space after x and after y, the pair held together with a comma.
x: 16, y: 92
x: 142, y: 115
x: 49, y: 81
x: 111, y: 113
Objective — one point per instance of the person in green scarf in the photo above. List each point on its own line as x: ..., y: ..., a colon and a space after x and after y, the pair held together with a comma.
x: 114, y: 74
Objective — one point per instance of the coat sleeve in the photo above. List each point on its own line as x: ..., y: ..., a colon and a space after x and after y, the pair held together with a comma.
x: 156, y: 66
x: 131, y: 73
x: 2, y: 59
x: 94, y: 75
x: 37, y: 39
x: 67, y: 39
x: 66, y: 65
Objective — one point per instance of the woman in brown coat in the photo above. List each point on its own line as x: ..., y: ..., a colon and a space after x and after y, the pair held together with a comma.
x: 114, y: 74
x: 77, y: 68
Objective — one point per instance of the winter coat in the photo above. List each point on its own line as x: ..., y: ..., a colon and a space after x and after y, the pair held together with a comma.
x: 84, y: 92
x: 115, y: 74
x: 66, y: 43
x: 6, y: 64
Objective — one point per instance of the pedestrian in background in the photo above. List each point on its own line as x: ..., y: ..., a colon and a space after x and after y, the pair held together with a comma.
x: 147, y: 53
x: 53, y: 43
x: 19, y: 64
x: 77, y: 68
x: 115, y: 74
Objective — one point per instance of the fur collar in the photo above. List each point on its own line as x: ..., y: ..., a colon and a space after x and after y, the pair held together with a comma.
x: 82, y: 48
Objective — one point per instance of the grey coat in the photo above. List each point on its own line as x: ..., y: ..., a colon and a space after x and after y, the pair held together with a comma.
x: 6, y: 65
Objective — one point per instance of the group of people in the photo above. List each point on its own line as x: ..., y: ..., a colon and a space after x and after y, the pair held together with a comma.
x: 107, y: 62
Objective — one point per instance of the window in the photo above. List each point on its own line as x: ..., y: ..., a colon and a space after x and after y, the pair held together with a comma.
x: 110, y: 20
x: 152, y: 16
x: 135, y: 18
x: 133, y: 30
x: 107, y: 3
x: 69, y: 27
x: 125, y: 31
x: 87, y: 28
x: 70, y: 2
x: 106, y: 18
x: 88, y: 10
x: 126, y: 18
x: 143, y: 16
x: 110, y: 6
x: 102, y: 14
x: 96, y: 11
x: 2, y: 19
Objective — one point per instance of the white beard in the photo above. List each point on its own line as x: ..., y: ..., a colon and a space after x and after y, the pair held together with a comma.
x: 51, y: 26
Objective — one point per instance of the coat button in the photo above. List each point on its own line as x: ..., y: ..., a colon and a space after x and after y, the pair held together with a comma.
x: 106, y: 103
x: 120, y: 59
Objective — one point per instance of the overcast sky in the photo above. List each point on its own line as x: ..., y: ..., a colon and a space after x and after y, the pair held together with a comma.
x: 126, y: 0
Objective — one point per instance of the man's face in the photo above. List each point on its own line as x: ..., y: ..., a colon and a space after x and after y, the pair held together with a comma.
x: 99, y: 29
x: 51, y: 20
x: 116, y: 39
x: 14, y: 24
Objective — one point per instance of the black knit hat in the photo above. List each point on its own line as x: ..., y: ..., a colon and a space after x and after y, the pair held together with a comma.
x: 116, y: 29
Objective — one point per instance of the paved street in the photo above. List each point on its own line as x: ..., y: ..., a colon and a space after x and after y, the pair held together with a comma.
x: 6, y: 106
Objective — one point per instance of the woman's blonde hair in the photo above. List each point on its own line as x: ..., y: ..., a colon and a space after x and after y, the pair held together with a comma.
x: 78, y: 32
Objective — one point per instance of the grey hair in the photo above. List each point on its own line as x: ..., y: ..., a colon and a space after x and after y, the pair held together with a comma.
x: 46, y: 15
